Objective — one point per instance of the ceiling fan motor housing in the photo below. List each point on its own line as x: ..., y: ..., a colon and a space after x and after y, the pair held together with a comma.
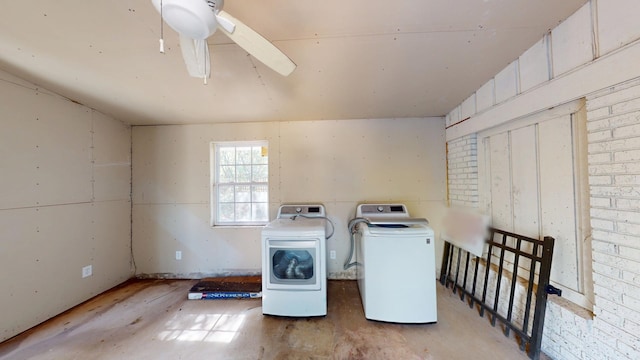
x: 215, y: 5
x: 193, y: 18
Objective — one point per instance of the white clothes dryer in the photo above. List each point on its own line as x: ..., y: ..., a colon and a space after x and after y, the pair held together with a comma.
x: 294, y: 265
x: 396, y: 265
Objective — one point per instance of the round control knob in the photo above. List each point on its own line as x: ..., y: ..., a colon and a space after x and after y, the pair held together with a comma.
x: 380, y: 209
x: 298, y: 210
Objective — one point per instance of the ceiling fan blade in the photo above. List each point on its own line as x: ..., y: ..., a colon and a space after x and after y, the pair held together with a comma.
x: 258, y: 46
x: 225, y: 24
x: 196, y: 57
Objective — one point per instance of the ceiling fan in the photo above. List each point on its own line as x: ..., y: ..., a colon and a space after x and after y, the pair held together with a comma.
x: 196, y: 20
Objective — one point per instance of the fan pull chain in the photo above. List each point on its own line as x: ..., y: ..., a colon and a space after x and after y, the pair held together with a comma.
x: 206, y: 63
x: 161, y: 30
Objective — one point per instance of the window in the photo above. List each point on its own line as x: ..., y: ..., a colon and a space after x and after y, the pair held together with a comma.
x: 240, y: 183
x: 533, y: 181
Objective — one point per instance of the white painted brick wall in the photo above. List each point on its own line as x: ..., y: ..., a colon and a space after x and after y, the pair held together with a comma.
x: 462, y: 164
x: 614, y: 168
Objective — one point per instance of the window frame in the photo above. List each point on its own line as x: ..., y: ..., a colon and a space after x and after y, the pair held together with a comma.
x: 214, y: 182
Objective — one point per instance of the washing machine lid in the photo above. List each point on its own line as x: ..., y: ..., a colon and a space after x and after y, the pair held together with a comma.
x: 396, y: 222
x: 391, y: 219
x: 417, y: 228
x: 300, y: 227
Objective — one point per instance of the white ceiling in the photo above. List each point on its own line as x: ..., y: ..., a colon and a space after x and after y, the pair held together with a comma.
x: 356, y: 58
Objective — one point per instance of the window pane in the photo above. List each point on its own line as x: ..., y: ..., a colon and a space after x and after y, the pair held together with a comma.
x: 225, y: 193
x: 260, y: 212
x: 260, y: 173
x: 256, y: 151
x: 243, y: 193
x: 243, y: 155
x: 243, y: 212
x: 243, y: 173
x: 227, y: 174
x: 227, y: 155
x: 226, y: 212
x: 260, y: 193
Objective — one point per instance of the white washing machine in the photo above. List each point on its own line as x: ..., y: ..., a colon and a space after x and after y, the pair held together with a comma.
x: 294, y: 264
x: 396, y: 265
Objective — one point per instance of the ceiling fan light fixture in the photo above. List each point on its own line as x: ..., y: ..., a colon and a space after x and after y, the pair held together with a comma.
x: 192, y: 18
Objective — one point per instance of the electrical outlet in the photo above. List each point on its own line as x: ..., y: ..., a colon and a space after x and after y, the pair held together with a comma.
x: 178, y: 255
x: 87, y: 271
x: 332, y: 254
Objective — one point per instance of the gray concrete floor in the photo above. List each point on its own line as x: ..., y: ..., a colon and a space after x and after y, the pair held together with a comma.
x: 153, y: 320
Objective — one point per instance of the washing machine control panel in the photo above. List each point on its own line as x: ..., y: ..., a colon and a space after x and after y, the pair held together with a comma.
x: 382, y: 210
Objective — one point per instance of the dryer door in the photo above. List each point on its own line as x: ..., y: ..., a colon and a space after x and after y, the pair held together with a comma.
x: 292, y: 264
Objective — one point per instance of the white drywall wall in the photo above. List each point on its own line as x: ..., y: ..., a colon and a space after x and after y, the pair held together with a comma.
x: 64, y: 204
x: 337, y: 163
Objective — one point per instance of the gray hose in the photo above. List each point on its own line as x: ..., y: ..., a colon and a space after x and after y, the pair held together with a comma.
x: 352, y: 231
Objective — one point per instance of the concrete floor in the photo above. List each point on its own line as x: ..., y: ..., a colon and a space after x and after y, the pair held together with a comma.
x: 153, y: 320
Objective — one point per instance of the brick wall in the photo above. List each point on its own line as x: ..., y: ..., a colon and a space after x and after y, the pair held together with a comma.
x: 462, y: 171
x: 614, y: 176
x: 568, y: 332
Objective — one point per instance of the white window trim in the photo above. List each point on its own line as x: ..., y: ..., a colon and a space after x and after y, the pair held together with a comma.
x: 213, y: 185
x: 584, y: 298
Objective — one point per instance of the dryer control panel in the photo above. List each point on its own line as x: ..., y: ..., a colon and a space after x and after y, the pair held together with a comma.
x: 288, y: 211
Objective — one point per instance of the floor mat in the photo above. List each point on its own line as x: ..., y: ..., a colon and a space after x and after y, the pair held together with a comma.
x: 231, y: 287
